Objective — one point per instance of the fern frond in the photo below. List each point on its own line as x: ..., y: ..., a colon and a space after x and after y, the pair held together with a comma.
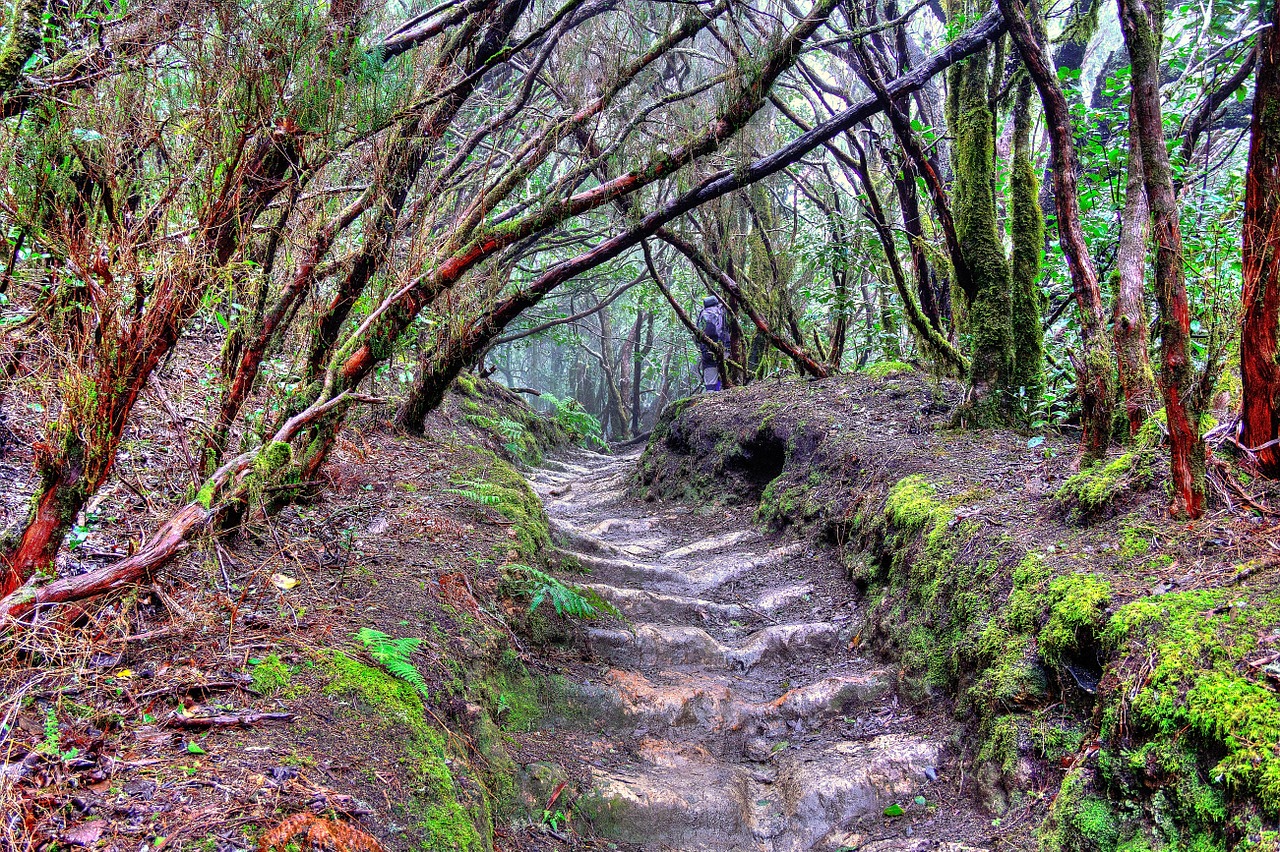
x: 393, y: 655
x: 477, y: 492
x: 567, y: 600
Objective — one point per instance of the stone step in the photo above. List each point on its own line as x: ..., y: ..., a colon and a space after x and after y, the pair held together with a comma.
x: 681, y: 797
x: 699, y: 702
x: 712, y: 544
x: 689, y: 578
x: 642, y: 604
x: 650, y: 645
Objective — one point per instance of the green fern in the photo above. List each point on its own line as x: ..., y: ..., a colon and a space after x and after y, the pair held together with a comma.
x: 511, y: 430
x: 575, y: 419
x: 393, y: 655
x: 477, y: 492
x: 572, y: 601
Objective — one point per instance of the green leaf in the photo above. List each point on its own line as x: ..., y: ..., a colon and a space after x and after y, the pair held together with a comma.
x: 920, y: 800
x: 194, y: 748
x: 894, y: 810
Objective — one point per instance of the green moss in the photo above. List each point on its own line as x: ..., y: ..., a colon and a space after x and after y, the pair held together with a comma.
x: 782, y: 504
x: 1135, y: 540
x: 1081, y: 820
x: 515, y: 501
x: 1192, y: 645
x: 1098, y: 485
x: 912, y: 504
x: 1077, y: 606
x: 272, y: 458
x: 1027, y: 225
x: 884, y: 369
x: 465, y: 384
x: 205, y: 495
x: 442, y: 821
x: 987, y: 292
x: 273, y: 676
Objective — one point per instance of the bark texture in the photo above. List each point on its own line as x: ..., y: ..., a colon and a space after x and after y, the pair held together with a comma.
x: 1142, y: 22
x: 1129, y: 317
x: 1093, y: 369
x: 1260, y: 331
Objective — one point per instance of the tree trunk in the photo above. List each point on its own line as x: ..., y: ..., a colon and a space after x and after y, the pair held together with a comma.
x: 1129, y: 319
x: 988, y: 294
x: 1142, y: 22
x: 1260, y: 331
x: 1093, y: 373
x: 1028, y: 248
x: 26, y: 22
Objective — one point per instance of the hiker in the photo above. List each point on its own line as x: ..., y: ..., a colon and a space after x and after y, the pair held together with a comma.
x: 713, y: 323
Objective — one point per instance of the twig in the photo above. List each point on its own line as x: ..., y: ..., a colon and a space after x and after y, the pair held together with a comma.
x: 242, y: 720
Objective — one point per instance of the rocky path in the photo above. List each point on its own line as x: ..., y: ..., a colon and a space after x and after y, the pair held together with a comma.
x: 750, y: 720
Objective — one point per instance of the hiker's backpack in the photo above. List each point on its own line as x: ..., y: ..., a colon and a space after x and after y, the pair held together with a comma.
x: 712, y: 323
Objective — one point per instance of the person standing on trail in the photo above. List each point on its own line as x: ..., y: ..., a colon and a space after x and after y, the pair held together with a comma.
x: 713, y: 323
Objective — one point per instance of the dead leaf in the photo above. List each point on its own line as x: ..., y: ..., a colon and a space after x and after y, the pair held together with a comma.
x: 283, y: 582
x: 84, y: 834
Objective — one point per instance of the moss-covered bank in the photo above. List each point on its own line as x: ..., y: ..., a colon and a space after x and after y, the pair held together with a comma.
x: 1117, y: 672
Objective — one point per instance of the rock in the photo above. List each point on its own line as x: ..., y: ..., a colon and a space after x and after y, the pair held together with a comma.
x: 538, y: 781
x: 829, y: 790
x: 758, y: 749
x: 991, y: 790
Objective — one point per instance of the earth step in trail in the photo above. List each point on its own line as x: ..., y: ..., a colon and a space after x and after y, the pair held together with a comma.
x: 734, y: 684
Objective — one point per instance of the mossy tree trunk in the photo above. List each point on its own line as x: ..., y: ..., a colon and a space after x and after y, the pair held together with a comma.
x: 26, y: 22
x: 1129, y: 316
x: 1260, y: 333
x: 1093, y: 369
x: 1142, y: 22
x: 1028, y: 249
x: 990, y: 311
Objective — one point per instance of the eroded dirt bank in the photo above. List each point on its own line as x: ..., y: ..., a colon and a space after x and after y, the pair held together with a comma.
x: 358, y: 670
x: 1111, y: 673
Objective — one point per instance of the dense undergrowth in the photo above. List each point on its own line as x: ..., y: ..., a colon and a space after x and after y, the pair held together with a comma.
x: 391, y: 629
x: 1117, y: 672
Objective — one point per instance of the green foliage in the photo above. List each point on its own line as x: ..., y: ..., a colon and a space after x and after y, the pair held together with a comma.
x: 567, y: 600
x: 393, y: 655
x: 477, y: 492
x: 503, y: 489
x: 576, y: 420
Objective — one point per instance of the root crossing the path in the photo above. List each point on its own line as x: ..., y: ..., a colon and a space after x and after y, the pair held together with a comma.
x: 747, y: 717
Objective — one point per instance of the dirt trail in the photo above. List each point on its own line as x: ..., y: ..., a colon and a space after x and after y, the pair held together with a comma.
x: 748, y: 716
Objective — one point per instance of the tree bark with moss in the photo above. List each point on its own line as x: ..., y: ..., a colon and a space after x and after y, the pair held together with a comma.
x: 1260, y: 332
x: 989, y: 308
x: 1129, y: 315
x: 26, y: 22
x: 1093, y: 370
x: 1028, y: 250
x: 1142, y: 22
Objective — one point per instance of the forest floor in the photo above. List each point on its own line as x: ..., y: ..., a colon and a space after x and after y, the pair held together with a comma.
x: 778, y: 681
x: 201, y: 711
